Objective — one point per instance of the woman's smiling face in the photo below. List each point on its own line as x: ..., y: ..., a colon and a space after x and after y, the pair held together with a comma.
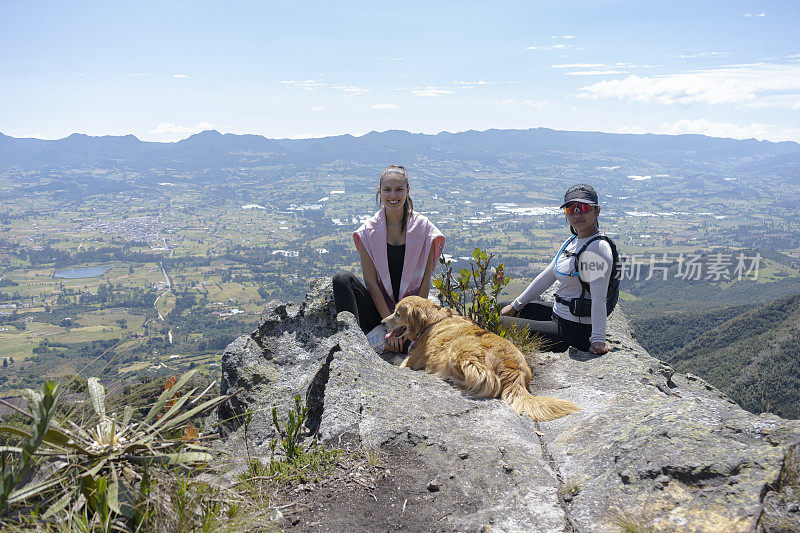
x: 394, y: 191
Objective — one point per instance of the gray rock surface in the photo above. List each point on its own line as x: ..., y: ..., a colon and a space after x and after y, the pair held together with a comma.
x: 274, y: 363
x: 651, y: 448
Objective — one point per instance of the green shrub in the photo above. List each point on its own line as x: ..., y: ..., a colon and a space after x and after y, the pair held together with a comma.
x: 472, y: 292
x: 296, y: 461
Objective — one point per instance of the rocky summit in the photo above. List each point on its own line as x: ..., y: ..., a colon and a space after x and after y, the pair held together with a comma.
x: 651, y: 449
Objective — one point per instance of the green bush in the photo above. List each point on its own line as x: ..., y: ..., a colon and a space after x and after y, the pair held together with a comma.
x: 472, y: 292
x: 296, y: 461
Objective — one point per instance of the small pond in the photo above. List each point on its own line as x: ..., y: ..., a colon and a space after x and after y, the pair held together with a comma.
x: 80, y: 273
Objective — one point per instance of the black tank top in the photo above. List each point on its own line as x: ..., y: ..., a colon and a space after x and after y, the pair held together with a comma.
x: 395, y: 256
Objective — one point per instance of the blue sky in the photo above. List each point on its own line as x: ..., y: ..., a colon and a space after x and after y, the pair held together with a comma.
x: 164, y: 70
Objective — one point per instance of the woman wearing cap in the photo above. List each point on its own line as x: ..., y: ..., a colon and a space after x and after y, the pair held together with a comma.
x: 556, y: 322
x: 399, y: 249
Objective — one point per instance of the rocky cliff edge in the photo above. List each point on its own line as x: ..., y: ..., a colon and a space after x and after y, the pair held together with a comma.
x: 651, y: 448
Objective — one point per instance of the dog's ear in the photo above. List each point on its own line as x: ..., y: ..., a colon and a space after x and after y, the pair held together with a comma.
x: 416, y: 318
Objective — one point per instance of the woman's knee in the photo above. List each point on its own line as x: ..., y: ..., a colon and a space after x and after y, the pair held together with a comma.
x: 342, y: 279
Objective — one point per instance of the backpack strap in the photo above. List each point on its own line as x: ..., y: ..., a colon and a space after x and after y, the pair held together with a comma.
x: 614, y: 258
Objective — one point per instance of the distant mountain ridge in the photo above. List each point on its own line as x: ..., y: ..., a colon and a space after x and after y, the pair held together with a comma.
x: 539, y: 146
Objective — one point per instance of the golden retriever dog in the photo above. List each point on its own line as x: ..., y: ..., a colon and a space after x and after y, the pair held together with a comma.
x: 454, y: 348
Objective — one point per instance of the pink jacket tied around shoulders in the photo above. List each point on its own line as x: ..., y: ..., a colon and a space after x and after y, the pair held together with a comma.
x: 421, y: 234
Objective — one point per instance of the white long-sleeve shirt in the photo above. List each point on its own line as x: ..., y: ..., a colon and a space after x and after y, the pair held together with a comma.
x: 558, y: 270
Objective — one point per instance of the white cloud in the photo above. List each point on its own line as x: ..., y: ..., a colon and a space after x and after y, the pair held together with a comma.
x: 167, y: 128
x: 384, y: 106
x: 596, y: 72
x: 351, y: 89
x: 431, y: 91
x: 30, y: 136
x: 579, y: 65
x: 695, y: 54
x: 313, y: 85
x: 551, y: 47
x: 784, y: 101
x: 472, y: 83
x: 180, y: 76
x: 318, y: 108
x: 711, y: 128
x: 308, y: 85
x: 562, y: 36
x: 599, y: 69
x: 752, y: 85
x: 527, y: 103
x: 751, y: 15
x: 631, y: 65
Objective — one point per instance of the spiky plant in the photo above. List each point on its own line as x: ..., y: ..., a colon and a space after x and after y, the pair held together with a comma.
x: 102, y: 466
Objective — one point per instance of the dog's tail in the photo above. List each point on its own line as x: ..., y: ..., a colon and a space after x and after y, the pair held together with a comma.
x: 541, y: 408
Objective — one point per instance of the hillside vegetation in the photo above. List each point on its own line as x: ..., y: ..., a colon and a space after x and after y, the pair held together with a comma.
x: 747, y: 351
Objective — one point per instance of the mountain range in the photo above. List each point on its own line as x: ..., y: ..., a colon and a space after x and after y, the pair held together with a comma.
x: 525, y: 148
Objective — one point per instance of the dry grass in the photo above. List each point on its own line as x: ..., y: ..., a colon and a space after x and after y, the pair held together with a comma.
x: 628, y: 522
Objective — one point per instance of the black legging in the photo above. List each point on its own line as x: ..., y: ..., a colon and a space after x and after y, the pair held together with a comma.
x: 349, y: 294
x: 558, y: 332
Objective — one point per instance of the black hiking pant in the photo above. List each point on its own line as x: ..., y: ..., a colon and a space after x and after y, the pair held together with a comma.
x: 558, y: 333
x: 349, y: 294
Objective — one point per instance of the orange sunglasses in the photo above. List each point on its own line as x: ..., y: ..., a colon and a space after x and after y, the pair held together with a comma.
x: 580, y: 207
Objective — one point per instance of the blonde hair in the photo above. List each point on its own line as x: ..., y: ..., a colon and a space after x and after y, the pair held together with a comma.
x: 408, y: 206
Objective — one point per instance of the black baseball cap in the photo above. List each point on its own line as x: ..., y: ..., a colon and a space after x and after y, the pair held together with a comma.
x: 580, y: 193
